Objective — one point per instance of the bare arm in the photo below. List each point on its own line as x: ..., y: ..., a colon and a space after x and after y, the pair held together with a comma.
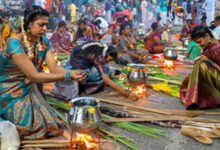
x: 90, y: 34
x: 51, y: 63
x: 27, y: 67
x: 1, y: 45
x: 132, y: 54
x: 110, y: 83
x: 158, y: 41
x: 74, y: 37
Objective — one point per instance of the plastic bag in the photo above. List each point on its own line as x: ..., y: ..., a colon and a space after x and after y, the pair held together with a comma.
x: 9, y: 135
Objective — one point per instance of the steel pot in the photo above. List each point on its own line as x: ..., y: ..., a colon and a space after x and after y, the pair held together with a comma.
x: 136, y: 74
x: 84, y: 114
x: 170, y: 54
x: 186, y: 42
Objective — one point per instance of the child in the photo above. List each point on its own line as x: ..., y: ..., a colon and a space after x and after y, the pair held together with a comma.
x: 193, y: 50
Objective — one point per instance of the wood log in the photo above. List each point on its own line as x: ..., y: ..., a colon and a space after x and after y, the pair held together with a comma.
x: 45, y: 145
x: 132, y: 106
x: 159, y: 79
x: 44, y: 141
x: 67, y: 135
x: 161, y: 118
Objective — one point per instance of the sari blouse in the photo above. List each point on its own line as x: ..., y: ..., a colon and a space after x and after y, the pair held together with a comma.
x: 150, y: 44
x: 125, y: 43
x: 213, y: 52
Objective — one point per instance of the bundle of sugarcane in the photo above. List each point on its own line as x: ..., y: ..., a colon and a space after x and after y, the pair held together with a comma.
x: 122, y: 114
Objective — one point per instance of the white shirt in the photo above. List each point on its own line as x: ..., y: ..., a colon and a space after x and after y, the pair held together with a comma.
x: 104, y: 23
x: 184, y: 5
x: 217, y: 32
x: 41, y: 3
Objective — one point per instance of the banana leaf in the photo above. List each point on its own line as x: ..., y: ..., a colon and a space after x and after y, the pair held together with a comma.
x: 172, y: 90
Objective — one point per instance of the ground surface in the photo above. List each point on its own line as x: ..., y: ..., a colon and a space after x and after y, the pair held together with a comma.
x: 174, y: 141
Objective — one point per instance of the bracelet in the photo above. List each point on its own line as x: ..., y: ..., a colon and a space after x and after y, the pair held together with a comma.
x: 212, y: 62
x: 67, y: 76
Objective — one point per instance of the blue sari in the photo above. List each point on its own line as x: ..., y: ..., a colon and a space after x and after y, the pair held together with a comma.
x: 21, y: 102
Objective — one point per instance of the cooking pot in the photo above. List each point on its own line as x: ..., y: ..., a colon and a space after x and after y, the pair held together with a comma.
x: 170, y: 54
x: 84, y: 114
x: 185, y: 41
x: 136, y: 74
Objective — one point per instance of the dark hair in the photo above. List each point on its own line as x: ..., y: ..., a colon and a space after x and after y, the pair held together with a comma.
x: 5, y: 14
x: 112, y: 52
x: 97, y: 49
x: 200, y: 31
x: 119, y: 20
x: 79, y: 32
x: 61, y: 24
x: 123, y: 26
x: 217, y: 18
x: 189, y: 20
x: 97, y: 22
x: 181, y: 10
x: 86, y: 19
x: 154, y: 26
x: 32, y: 13
x: 204, y: 17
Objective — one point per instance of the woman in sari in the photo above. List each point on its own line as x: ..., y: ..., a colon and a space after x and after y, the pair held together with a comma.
x: 201, y: 89
x: 61, y: 40
x: 5, y: 30
x: 93, y: 57
x: 83, y: 32
x: 187, y: 28
x: 154, y: 44
x: 21, y: 101
x: 127, y: 47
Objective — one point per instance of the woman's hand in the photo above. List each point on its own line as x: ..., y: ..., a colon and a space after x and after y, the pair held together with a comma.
x: 132, y: 97
x: 79, y: 75
x: 200, y: 58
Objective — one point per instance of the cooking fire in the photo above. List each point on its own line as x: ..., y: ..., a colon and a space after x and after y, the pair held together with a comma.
x: 140, y: 91
x: 169, y: 64
x: 84, y: 142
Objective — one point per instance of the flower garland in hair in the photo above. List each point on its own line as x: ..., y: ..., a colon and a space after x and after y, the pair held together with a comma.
x: 28, y: 45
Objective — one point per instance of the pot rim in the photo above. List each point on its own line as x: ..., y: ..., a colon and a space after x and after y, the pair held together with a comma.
x: 133, y: 65
x: 85, y: 98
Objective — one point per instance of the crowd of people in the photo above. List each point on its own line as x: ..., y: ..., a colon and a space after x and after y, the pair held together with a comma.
x: 99, y: 32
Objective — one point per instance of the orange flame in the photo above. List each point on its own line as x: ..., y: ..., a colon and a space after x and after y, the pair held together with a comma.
x: 169, y: 64
x: 140, y: 90
x: 45, y: 69
x: 86, y: 140
x: 56, y: 57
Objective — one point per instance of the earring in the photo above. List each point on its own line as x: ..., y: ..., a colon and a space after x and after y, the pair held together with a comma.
x: 28, y: 30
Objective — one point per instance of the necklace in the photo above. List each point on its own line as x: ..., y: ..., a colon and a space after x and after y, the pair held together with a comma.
x: 30, y: 46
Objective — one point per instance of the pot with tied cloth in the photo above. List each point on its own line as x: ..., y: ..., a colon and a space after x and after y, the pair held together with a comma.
x: 84, y: 114
x: 136, y: 74
x: 170, y: 53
